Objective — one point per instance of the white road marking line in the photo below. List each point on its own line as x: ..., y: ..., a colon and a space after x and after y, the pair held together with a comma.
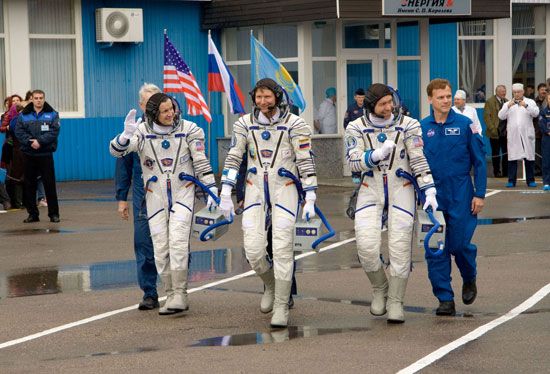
x: 494, y: 192
x: 475, y: 334
x: 133, y: 307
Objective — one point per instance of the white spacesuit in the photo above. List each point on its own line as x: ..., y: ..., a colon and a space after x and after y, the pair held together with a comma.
x: 377, y: 145
x: 165, y: 152
x: 272, y: 142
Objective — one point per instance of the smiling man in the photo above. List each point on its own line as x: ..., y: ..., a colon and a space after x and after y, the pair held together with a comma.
x: 453, y: 146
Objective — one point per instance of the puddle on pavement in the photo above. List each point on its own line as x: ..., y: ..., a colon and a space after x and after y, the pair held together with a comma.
x: 37, y: 231
x: 497, y: 221
x: 204, y: 266
x: 102, y: 354
x: 274, y: 336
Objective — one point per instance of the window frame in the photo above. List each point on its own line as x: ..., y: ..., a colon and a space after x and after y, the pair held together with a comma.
x: 493, y: 38
x: 23, y: 37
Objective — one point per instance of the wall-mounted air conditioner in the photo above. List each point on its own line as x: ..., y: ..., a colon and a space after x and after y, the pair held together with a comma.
x: 119, y: 25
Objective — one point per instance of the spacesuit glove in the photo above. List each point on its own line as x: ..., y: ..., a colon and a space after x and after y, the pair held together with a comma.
x: 431, y: 201
x: 383, y: 152
x: 226, y: 203
x: 130, y: 125
x: 308, y: 211
x: 211, y: 203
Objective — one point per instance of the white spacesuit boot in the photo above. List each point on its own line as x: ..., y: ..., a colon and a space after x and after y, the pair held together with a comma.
x: 396, y: 294
x: 179, y: 303
x: 167, y: 283
x: 280, y: 307
x: 266, y: 305
x: 379, y: 284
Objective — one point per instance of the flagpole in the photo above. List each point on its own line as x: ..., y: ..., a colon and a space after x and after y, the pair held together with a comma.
x: 209, y: 135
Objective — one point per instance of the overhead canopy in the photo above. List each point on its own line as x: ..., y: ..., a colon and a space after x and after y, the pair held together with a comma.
x: 237, y: 13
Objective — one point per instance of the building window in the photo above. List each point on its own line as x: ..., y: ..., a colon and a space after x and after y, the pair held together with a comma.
x: 280, y: 40
x: 529, y: 44
x: 323, y: 51
x: 366, y: 35
x: 52, y: 37
x: 475, y: 59
x: 3, y: 92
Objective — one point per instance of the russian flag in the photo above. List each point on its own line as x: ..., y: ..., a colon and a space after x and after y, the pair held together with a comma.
x: 221, y: 80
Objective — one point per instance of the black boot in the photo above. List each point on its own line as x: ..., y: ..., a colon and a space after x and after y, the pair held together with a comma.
x: 446, y: 308
x: 31, y: 219
x: 469, y: 292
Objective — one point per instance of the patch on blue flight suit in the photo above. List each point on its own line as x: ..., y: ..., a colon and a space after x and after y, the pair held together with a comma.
x: 452, y: 131
x: 266, y: 153
x: 351, y: 142
x: 149, y: 163
x: 430, y: 133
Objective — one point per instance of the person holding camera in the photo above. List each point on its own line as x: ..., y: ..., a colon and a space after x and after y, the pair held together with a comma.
x: 519, y: 113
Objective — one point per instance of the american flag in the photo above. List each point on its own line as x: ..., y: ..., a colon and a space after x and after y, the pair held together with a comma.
x: 179, y: 78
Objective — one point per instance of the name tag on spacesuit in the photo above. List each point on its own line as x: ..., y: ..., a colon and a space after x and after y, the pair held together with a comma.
x: 452, y: 131
x: 45, y: 127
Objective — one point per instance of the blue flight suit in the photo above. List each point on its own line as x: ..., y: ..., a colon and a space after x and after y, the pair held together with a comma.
x: 354, y: 111
x: 452, y: 149
x: 544, y: 125
x: 128, y: 170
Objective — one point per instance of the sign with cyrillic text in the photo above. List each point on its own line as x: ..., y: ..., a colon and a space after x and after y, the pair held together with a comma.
x: 426, y: 8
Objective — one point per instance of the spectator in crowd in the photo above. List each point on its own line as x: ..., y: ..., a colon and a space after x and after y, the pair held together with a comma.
x: 11, y: 157
x: 128, y: 173
x: 519, y: 112
x: 461, y: 108
x: 453, y: 146
x: 496, y: 131
x: 355, y: 110
x: 541, y: 103
x: 544, y: 124
x: 530, y: 92
x: 37, y: 130
x: 325, y: 123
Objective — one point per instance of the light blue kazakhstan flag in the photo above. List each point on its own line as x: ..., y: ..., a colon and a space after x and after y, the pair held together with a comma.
x: 265, y: 65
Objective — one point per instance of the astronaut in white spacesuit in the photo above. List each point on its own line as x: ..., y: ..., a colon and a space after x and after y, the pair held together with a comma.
x: 168, y: 146
x: 273, y: 138
x: 377, y: 145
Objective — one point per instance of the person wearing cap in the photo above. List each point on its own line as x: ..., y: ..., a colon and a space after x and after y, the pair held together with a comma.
x: 453, y: 147
x: 519, y: 113
x: 377, y: 145
x: 167, y: 147
x: 357, y: 109
x: 496, y: 131
x: 274, y: 138
x: 325, y: 122
x: 460, y: 107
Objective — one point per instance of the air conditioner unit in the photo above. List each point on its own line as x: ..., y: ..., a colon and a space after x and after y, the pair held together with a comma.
x: 119, y: 25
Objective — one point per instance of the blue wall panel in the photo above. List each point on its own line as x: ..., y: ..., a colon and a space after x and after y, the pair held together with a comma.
x: 443, y: 52
x: 113, y: 75
x: 408, y: 39
x: 408, y: 82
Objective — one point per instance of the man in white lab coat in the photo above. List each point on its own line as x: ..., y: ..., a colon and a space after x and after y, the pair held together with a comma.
x: 519, y: 112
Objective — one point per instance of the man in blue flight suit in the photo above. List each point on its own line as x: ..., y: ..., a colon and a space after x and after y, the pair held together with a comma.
x: 128, y: 171
x: 453, y: 145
